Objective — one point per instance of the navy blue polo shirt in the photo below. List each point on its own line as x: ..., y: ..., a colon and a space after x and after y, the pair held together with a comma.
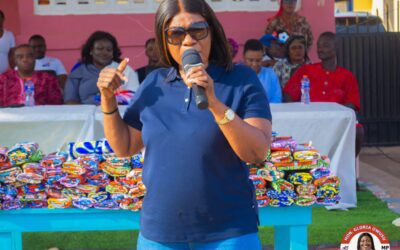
x: 197, y: 187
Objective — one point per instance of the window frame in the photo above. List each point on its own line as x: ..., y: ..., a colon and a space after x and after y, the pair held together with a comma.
x: 71, y: 7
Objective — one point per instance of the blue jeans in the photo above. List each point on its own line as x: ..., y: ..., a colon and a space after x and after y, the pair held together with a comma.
x: 247, y: 241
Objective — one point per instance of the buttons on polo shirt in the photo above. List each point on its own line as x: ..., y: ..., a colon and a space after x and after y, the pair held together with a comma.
x: 187, y: 100
x: 323, y: 92
x: 326, y: 83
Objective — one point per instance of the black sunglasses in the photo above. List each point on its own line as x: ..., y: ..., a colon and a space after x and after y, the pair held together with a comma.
x: 289, y: 1
x: 176, y: 35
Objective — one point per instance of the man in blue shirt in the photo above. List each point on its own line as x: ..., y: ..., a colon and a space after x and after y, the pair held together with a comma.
x: 252, y: 56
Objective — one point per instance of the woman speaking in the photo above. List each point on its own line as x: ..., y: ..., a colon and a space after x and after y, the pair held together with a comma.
x: 198, y: 192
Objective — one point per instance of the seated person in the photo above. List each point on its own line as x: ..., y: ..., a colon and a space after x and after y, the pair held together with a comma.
x: 76, y: 65
x: 7, y: 41
x: 12, y: 91
x: 46, y: 63
x: 152, y: 56
x: 328, y: 81
x: 100, y: 50
x: 296, y: 56
x: 252, y: 57
x: 274, y: 47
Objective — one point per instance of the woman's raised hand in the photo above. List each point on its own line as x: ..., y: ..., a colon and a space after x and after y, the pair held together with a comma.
x: 111, y: 79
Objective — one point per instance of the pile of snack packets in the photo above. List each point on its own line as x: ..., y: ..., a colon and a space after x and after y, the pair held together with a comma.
x: 88, y: 176
x: 294, y: 174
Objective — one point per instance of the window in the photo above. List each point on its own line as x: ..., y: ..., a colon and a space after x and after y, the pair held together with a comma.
x: 82, y: 7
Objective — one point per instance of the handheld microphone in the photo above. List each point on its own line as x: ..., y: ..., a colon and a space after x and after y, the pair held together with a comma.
x: 191, y: 58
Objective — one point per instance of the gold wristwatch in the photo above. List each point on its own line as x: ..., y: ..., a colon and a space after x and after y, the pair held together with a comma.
x: 229, y: 115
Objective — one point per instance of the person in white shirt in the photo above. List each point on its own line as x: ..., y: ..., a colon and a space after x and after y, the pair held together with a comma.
x: 7, y: 41
x: 46, y: 63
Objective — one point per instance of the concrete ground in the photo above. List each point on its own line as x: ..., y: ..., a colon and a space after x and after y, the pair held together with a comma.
x: 379, y: 171
x: 381, y: 167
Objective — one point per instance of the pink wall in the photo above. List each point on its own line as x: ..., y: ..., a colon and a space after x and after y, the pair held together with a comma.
x: 10, y: 9
x: 66, y: 34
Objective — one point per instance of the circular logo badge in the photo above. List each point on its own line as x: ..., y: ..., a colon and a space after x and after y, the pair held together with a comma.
x: 365, y: 237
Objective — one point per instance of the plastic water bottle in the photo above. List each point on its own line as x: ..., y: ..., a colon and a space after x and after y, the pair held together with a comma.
x: 305, y: 90
x: 29, y: 93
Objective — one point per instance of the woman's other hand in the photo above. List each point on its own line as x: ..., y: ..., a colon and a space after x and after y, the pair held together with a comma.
x: 198, y: 75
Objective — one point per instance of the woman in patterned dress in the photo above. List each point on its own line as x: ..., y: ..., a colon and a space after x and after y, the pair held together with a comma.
x: 288, y: 19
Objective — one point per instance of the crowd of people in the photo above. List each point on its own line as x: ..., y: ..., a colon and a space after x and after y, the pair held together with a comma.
x: 53, y: 85
x: 275, y: 57
x: 279, y: 58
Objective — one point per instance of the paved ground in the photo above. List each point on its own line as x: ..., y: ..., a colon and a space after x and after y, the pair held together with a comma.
x: 379, y: 171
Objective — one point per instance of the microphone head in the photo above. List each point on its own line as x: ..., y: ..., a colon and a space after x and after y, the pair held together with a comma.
x: 190, y: 58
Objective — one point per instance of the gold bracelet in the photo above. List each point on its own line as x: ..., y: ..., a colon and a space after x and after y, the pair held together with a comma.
x: 110, y: 113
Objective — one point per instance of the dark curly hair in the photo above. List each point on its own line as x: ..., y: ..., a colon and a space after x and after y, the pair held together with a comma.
x: 86, y: 57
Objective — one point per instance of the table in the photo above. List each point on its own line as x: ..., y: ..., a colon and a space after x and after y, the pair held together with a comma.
x: 53, y: 127
x: 330, y: 126
x: 290, y: 223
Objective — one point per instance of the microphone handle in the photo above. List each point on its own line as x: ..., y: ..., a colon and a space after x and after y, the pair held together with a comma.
x: 200, y: 96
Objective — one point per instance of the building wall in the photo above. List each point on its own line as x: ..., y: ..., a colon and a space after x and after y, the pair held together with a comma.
x: 388, y: 10
x: 362, y: 5
x: 377, y: 8
x: 341, y: 6
x: 392, y: 14
x: 66, y: 34
x: 10, y: 9
x: 358, y: 5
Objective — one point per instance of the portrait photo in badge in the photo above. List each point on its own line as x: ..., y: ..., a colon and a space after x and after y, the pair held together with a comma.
x: 365, y: 242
